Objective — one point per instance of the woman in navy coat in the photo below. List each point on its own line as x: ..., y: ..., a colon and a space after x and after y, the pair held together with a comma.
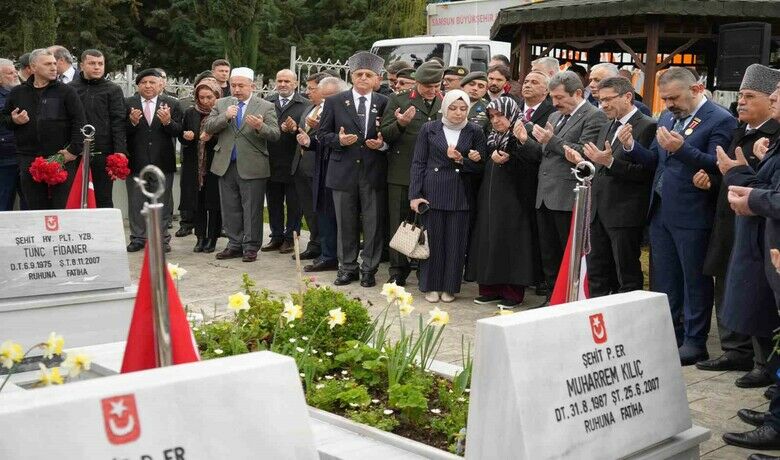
x: 446, y: 150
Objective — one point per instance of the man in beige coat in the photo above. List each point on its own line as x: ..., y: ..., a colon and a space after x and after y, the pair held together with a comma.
x: 244, y: 124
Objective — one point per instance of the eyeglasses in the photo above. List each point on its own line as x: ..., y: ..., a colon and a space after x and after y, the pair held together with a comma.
x: 610, y: 98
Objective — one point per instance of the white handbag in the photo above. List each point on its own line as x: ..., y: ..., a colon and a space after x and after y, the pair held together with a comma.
x: 411, y: 240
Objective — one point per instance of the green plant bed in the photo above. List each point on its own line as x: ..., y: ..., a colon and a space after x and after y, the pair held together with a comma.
x: 348, y: 363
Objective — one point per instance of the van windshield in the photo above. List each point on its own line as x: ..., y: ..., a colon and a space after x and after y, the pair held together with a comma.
x: 416, y: 53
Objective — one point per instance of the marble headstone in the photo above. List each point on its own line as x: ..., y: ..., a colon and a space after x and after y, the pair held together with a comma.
x: 243, y: 407
x: 595, y: 379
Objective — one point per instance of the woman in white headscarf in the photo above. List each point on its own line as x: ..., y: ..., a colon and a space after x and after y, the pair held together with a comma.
x: 446, y: 150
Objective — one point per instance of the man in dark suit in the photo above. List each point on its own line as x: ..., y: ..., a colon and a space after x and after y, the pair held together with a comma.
x: 620, y: 192
x: 290, y: 108
x: 574, y: 124
x: 357, y: 170
x: 603, y: 71
x: 154, y: 122
x: 681, y: 215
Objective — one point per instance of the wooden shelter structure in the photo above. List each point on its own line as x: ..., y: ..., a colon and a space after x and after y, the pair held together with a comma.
x: 655, y: 33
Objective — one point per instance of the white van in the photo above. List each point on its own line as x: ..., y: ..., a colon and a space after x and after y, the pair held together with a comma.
x: 470, y: 51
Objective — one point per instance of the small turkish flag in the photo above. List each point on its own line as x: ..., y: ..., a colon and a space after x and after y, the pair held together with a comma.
x: 120, y: 419
x: 74, y: 198
x: 597, y: 328
x: 140, y: 350
x: 561, y: 283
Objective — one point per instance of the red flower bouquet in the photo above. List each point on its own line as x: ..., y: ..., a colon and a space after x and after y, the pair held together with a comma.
x: 117, y: 166
x: 49, y: 170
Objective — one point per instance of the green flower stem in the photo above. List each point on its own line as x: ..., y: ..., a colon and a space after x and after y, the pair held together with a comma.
x: 13, y: 368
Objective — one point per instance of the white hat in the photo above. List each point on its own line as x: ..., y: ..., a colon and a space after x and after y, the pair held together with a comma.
x: 243, y: 72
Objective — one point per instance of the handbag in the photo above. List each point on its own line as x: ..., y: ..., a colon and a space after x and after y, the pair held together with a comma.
x: 411, y: 240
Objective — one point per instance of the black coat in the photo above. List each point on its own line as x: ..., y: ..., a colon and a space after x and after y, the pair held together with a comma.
x: 189, y: 165
x: 56, y: 118
x: 282, y: 151
x: 322, y: 196
x: 345, y: 162
x: 153, y: 144
x: 722, y: 236
x: 304, y: 157
x: 104, y: 108
x: 766, y: 203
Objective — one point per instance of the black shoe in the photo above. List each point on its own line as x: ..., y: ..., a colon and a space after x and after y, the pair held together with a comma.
x: 199, y: 245
x: 184, y: 230
x: 508, y: 304
x: 228, y: 253
x: 762, y: 438
x: 286, y: 247
x: 308, y: 255
x: 690, y: 355
x: 752, y: 417
x: 367, y: 280
x: 135, y: 246
x: 166, y: 247
x: 399, y: 280
x: 771, y: 392
x: 487, y: 299
x: 756, y: 378
x: 344, y: 278
x: 209, y: 245
x: 321, y: 266
x: 762, y: 457
x: 725, y: 363
x: 272, y: 245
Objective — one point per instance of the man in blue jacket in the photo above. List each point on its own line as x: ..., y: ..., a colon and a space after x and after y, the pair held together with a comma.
x: 681, y: 215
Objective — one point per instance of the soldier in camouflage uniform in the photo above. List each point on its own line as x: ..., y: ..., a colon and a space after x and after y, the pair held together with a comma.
x: 475, y: 85
x: 405, y: 114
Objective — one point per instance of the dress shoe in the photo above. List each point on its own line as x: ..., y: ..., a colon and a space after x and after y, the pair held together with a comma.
x: 446, y: 297
x: 399, y: 280
x: 507, y: 304
x: 228, y: 253
x: 199, y: 245
x: 725, y: 363
x: 488, y: 299
x: 757, y: 378
x: 286, y: 247
x: 690, y: 355
x: 344, y: 278
x: 752, y: 417
x: 184, y: 230
x: 308, y: 254
x: 249, y: 256
x: 272, y: 245
x: 762, y: 457
x: 135, y: 246
x: 762, y: 438
x: 432, y: 296
x: 321, y: 266
x: 367, y: 280
x: 771, y: 392
x: 209, y: 245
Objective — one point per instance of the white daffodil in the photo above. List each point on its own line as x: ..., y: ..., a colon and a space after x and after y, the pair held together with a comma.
x: 176, y: 272
x: 392, y: 291
x: 336, y: 317
x: 438, y: 317
x: 405, y: 307
x: 53, y: 345
x: 238, y: 301
x: 10, y: 353
x: 291, y: 311
x: 49, y: 376
x: 76, y: 363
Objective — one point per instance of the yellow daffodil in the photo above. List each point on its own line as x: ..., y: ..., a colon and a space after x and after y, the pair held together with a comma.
x: 291, y: 311
x: 392, y: 291
x: 438, y: 317
x: 76, y: 363
x: 10, y: 353
x: 176, y: 272
x: 238, y: 301
x: 49, y: 376
x: 504, y: 311
x: 336, y: 317
x: 406, y: 308
x: 53, y: 345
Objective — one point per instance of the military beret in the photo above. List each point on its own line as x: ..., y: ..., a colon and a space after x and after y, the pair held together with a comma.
x: 406, y: 73
x: 760, y: 78
x: 146, y: 73
x: 395, y: 66
x: 429, y: 72
x: 456, y: 70
x: 473, y: 76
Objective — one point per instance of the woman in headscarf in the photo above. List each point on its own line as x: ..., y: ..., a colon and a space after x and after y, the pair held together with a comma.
x: 198, y: 152
x: 502, y: 257
x: 446, y: 150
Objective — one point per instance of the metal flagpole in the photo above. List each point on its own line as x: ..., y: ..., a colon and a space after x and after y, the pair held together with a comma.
x: 152, y: 176
x: 580, y: 227
x: 89, y: 136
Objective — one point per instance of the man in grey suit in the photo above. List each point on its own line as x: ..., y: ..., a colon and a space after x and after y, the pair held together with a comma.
x: 575, y: 123
x: 244, y: 124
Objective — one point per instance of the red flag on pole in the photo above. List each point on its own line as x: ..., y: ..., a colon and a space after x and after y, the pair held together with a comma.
x: 140, y: 349
x: 74, y: 198
x: 559, y: 292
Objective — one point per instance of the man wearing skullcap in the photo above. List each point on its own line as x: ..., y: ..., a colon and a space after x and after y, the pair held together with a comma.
x: 747, y: 313
x: 452, y: 77
x: 245, y: 124
x: 406, y: 112
x: 357, y: 169
x: 153, y: 124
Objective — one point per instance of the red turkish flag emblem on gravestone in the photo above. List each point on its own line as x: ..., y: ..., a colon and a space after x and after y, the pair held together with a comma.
x: 52, y: 223
x: 120, y: 418
x: 597, y: 328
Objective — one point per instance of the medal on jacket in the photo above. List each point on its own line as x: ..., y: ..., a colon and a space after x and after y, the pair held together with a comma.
x: 694, y: 123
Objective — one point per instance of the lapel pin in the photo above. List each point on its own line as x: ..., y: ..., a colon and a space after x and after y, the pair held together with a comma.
x: 347, y: 102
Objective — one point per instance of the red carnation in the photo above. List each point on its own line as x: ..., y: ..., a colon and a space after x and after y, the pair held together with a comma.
x: 116, y: 166
x: 49, y: 170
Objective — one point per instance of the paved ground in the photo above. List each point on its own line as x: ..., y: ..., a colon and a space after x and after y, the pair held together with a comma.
x: 713, y: 398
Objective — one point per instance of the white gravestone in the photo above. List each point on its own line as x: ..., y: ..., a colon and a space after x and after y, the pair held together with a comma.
x: 242, y: 407
x: 595, y: 379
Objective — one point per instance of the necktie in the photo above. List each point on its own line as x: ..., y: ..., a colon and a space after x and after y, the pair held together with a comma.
x: 315, y: 113
x: 528, y: 114
x: 61, y: 78
x: 562, y: 122
x: 239, y: 122
x: 362, y: 114
x: 612, y: 132
x: 148, y: 111
x: 283, y: 101
x: 679, y: 125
